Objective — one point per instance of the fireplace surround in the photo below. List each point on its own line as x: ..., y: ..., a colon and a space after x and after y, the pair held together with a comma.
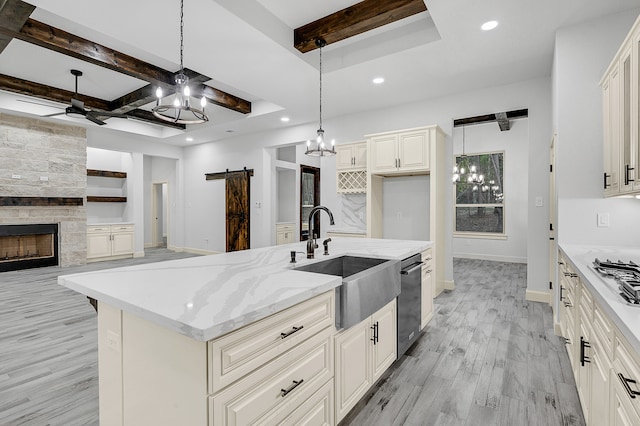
x: 28, y: 246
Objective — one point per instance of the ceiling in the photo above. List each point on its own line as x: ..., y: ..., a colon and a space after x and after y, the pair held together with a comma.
x: 246, y: 48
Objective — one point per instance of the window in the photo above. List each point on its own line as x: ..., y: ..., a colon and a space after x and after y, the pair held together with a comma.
x: 479, y: 197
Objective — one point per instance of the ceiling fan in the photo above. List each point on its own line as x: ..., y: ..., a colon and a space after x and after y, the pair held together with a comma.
x: 78, y: 110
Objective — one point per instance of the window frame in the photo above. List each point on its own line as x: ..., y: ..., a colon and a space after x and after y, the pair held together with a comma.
x: 475, y: 234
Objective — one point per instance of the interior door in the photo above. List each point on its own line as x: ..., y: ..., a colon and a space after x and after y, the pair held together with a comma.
x: 553, y: 244
x: 237, y: 200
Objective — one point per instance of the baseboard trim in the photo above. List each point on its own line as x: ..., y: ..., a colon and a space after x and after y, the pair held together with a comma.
x: 138, y: 254
x: 449, y: 285
x: 197, y: 251
x: 557, y: 329
x: 479, y: 256
x: 537, y: 296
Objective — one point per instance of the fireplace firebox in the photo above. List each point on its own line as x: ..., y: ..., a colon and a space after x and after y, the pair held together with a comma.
x: 28, y: 246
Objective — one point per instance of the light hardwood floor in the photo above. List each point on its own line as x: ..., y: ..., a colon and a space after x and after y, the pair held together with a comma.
x: 488, y: 357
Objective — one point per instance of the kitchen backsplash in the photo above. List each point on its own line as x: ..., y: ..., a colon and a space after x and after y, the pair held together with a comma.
x: 353, y: 209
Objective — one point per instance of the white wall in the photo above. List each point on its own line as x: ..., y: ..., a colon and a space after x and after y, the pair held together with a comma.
x: 514, y: 143
x: 405, y: 208
x: 583, y: 52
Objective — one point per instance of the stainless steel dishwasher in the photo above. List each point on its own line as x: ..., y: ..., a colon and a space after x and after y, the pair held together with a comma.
x: 409, y: 302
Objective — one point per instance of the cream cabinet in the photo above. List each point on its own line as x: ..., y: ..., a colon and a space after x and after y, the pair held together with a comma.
x: 351, y: 168
x: 278, y: 370
x: 398, y: 153
x: 110, y: 241
x: 621, y: 104
x: 284, y: 233
x: 363, y: 353
x: 427, y: 288
x: 346, y: 234
x: 351, y: 156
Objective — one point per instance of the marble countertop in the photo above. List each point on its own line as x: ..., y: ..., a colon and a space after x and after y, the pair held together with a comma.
x: 347, y: 230
x: 205, y: 297
x: 624, y: 316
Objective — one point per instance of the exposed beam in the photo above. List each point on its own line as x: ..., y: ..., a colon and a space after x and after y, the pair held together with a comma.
x: 354, y: 20
x: 13, y: 15
x: 60, y: 41
x: 223, y: 99
x: 503, y: 121
x: 479, y: 119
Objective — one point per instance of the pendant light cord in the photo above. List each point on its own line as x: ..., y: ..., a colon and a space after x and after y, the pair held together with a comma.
x: 320, y: 86
x: 181, y: 34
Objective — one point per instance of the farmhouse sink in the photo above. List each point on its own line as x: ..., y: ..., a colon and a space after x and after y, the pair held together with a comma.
x: 368, y: 284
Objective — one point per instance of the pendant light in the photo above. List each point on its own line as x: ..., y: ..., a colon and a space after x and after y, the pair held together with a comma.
x: 474, y: 176
x: 180, y: 110
x: 319, y: 148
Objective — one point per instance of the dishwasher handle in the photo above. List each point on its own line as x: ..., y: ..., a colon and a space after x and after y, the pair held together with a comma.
x: 412, y: 268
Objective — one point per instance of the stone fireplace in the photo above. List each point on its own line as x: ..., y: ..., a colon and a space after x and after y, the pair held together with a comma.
x: 28, y: 246
x: 43, y: 182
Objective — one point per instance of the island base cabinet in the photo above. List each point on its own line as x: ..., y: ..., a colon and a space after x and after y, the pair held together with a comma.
x: 276, y: 390
x: 363, y: 354
x: 622, y: 413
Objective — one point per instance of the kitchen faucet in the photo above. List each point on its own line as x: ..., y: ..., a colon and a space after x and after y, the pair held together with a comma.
x: 311, y: 243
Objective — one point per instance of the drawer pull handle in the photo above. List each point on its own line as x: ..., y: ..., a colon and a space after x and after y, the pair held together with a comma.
x: 583, y: 344
x: 284, y: 392
x: 568, y: 305
x: 566, y: 341
x: 625, y: 382
x: 428, y: 258
x: 375, y: 337
x: 428, y: 271
x: 285, y: 335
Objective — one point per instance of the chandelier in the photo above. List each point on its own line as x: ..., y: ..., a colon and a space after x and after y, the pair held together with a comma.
x: 180, y: 110
x: 473, y: 177
x: 319, y: 148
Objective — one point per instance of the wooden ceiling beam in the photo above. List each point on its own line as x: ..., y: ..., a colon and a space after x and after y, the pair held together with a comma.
x: 503, y: 121
x: 486, y: 118
x: 353, y: 20
x: 13, y: 15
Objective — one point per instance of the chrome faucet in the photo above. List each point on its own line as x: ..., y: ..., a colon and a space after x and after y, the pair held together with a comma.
x: 311, y: 243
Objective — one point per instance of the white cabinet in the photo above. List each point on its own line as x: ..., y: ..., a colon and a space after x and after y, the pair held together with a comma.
x: 427, y: 294
x: 284, y: 233
x: 351, y: 156
x: 351, y: 168
x: 398, y: 153
x: 109, y: 241
x: 363, y: 353
x: 621, y: 104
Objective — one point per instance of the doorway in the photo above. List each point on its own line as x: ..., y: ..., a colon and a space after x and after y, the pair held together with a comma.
x: 160, y: 214
x: 309, y: 198
x: 237, y: 199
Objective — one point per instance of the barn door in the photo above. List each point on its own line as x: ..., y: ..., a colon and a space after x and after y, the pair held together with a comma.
x: 237, y: 199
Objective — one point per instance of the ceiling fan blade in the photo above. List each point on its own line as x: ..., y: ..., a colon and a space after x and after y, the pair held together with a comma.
x: 27, y: 101
x: 107, y: 114
x: 76, y: 103
x: 54, y: 115
x: 95, y: 120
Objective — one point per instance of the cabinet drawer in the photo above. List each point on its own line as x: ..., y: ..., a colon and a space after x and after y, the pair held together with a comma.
x: 603, y: 330
x: 98, y: 229
x: 586, y: 305
x: 284, y: 227
x: 240, y: 352
x: 626, y: 365
x: 316, y: 411
x: 121, y: 228
x: 427, y: 258
x: 279, y: 387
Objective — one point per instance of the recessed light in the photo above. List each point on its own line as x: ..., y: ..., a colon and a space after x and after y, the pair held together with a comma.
x: 284, y: 119
x: 378, y: 80
x: 189, y: 139
x: 489, y: 25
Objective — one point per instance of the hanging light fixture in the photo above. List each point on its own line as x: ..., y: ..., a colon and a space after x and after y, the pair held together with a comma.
x: 180, y: 110
x: 474, y: 176
x: 319, y: 148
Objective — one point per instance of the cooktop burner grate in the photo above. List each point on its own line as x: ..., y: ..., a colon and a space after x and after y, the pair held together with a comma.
x: 627, y: 275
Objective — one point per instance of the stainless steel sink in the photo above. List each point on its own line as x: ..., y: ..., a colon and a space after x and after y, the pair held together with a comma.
x: 368, y: 284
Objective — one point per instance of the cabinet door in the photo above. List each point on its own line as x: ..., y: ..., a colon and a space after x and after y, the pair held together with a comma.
x: 360, y: 155
x: 122, y: 243
x: 413, y: 150
x: 614, y: 131
x: 344, y: 157
x: 281, y: 238
x: 98, y: 245
x: 384, y: 154
x: 426, y: 296
x: 600, y: 367
x: 353, y: 372
x: 622, y: 413
x: 627, y: 151
x: 583, y: 378
x: 385, y: 346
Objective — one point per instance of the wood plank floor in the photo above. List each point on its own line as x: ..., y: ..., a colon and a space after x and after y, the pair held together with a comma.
x: 488, y: 357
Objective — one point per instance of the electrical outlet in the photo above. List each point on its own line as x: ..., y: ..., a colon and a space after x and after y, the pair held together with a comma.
x: 603, y: 220
x: 16, y: 177
x: 44, y: 178
x: 538, y: 201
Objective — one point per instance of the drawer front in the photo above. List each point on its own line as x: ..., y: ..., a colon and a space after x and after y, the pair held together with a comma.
x: 314, y: 411
x: 98, y: 229
x: 626, y: 365
x: 284, y: 227
x: 586, y: 304
x: 603, y: 330
x: 121, y: 228
x: 237, y: 354
x: 277, y: 388
x: 427, y: 257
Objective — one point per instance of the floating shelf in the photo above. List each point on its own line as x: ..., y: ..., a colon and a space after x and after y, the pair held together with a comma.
x: 106, y: 173
x: 105, y: 199
x: 41, y: 201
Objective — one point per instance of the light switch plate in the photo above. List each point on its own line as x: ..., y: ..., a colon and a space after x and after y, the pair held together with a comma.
x: 603, y: 220
x: 538, y: 201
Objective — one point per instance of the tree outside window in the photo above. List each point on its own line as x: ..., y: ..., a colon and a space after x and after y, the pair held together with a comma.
x: 479, y: 193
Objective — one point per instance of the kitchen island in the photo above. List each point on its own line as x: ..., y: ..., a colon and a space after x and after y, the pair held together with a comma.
x: 210, y: 340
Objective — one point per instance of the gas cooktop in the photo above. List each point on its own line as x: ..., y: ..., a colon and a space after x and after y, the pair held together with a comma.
x: 627, y: 275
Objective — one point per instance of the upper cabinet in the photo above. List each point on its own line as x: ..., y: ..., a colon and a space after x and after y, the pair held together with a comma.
x: 621, y: 107
x: 351, y: 167
x: 399, y: 152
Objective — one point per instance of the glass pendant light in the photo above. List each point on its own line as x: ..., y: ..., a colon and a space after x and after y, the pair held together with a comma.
x: 318, y: 147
